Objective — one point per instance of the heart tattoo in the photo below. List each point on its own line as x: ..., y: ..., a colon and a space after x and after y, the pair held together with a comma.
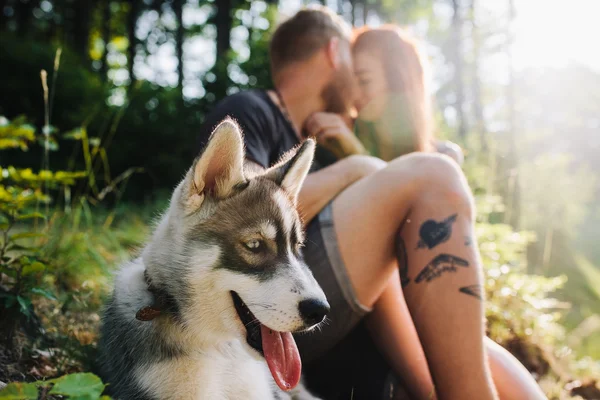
x: 440, y: 264
x: 433, y: 233
x: 473, y: 290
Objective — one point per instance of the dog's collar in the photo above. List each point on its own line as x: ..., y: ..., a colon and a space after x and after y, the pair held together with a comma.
x: 162, y: 303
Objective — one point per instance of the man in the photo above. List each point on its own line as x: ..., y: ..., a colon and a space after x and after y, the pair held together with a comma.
x: 373, y: 224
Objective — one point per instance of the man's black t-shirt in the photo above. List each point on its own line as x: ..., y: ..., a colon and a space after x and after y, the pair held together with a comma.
x: 267, y: 133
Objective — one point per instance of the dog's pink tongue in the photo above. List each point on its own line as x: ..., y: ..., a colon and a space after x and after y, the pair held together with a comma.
x: 282, y: 357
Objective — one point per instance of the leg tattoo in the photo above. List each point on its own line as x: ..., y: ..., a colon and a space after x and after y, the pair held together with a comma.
x: 433, y: 233
x: 440, y: 264
x: 472, y: 290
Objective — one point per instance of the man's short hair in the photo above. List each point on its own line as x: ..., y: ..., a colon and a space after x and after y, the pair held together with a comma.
x: 304, y: 34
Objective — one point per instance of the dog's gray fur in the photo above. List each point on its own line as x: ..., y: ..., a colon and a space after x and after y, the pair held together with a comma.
x: 196, y: 348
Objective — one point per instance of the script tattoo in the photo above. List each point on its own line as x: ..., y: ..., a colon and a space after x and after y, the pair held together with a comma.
x: 472, y: 290
x: 433, y: 233
x: 402, y: 258
x: 440, y: 264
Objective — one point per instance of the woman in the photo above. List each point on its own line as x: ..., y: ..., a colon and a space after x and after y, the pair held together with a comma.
x: 394, y: 118
x: 394, y: 111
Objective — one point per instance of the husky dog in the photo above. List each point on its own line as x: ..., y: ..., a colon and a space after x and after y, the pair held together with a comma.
x: 208, y: 310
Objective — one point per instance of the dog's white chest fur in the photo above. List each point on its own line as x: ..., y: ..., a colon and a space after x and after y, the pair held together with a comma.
x: 225, y: 373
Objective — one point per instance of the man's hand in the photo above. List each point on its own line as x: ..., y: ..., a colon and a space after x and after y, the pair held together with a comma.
x: 333, y: 133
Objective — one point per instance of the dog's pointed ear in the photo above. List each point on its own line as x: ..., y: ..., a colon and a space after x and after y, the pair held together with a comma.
x: 290, y: 174
x: 221, y: 165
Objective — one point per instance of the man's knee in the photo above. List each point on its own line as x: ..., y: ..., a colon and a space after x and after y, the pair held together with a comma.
x: 434, y: 177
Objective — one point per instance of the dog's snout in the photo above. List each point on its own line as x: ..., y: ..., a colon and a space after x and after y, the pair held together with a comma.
x: 313, y: 311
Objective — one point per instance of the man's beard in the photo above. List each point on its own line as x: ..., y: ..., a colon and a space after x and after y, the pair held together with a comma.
x: 338, y: 95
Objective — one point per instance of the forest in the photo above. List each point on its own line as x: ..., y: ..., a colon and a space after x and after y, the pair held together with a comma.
x: 100, y: 102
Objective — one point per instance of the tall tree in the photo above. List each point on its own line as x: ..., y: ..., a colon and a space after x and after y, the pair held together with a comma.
x: 457, y: 61
x: 217, y: 86
x: 353, y: 11
x: 24, y: 13
x: 480, y: 125
x: 223, y: 23
x: 179, y: 38
x: 132, y: 17
x: 82, y: 13
x: 512, y: 158
x: 2, y: 16
x: 106, y: 18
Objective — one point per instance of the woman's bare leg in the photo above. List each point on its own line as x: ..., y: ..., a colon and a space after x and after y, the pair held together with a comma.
x: 404, y: 196
x: 393, y: 330
x: 510, y: 376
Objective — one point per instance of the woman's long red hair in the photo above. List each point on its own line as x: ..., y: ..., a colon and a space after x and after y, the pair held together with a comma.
x: 405, y: 72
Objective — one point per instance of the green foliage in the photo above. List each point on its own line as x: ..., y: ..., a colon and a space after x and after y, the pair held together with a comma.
x: 19, y: 391
x: 256, y: 66
x: 87, y: 244
x: 15, y: 135
x: 519, y: 304
x: 22, y: 59
x: 82, y: 386
x: 549, y: 182
x: 156, y: 131
x: 22, y: 265
x: 56, y: 264
x: 524, y: 312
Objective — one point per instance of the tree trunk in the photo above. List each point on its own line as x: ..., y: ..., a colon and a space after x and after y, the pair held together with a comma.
x: 512, y: 158
x: 81, y: 27
x: 24, y: 14
x: 480, y: 125
x: 131, y: 50
x: 106, y: 16
x: 179, y: 38
x: 223, y: 22
x: 547, y: 254
x: 2, y: 16
x: 457, y: 23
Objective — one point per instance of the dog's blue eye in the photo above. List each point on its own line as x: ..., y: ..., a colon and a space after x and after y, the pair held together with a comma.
x: 254, y: 245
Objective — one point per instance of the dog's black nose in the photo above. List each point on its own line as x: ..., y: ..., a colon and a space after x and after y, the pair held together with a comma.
x: 313, y: 311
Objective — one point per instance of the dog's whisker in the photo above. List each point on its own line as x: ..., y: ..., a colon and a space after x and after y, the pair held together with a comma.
x: 261, y: 305
x: 254, y: 322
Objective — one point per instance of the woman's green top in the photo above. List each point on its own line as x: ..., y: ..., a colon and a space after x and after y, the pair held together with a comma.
x: 392, y: 134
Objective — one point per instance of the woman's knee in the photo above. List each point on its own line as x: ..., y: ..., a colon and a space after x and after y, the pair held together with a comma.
x: 433, y: 177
